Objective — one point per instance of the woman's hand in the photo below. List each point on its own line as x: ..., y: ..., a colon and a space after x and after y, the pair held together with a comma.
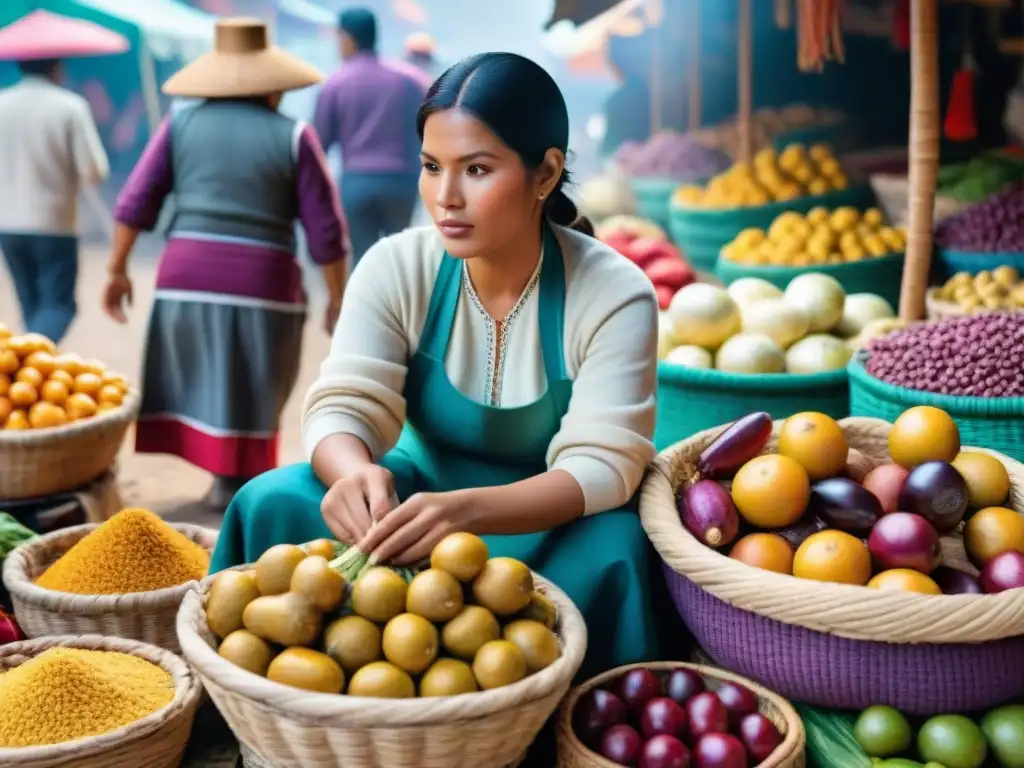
x: 354, y: 503
x: 408, y: 533
x: 117, y: 292
x: 331, y: 316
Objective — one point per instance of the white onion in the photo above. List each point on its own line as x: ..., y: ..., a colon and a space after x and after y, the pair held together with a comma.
x: 750, y: 353
x: 690, y: 357
x: 750, y: 289
x: 876, y: 329
x: 859, y: 310
x: 604, y: 196
x: 775, y: 318
x: 703, y: 315
x: 666, y: 335
x: 817, y: 354
x: 820, y: 296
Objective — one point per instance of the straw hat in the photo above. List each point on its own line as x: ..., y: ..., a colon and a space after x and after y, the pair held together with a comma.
x: 242, y: 63
x: 420, y: 42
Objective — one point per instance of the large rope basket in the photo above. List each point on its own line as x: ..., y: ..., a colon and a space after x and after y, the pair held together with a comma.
x: 838, y: 645
x: 148, y: 617
x: 45, y: 462
x: 286, y: 727
x: 789, y: 754
x: 158, y: 740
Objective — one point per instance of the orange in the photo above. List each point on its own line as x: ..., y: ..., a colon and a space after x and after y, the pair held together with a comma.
x: 30, y: 376
x: 5, y: 332
x: 104, y: 407
x: 39, y: 343
x: 116, y: 380
x: 816, y: 441
x: 94, y: 366
x: 767, y: 551
x: 21, y: 346
x: 18, y: 420
x: 43, y: 415
x: 110, y: 394
x: 5, y: 384
x: 905, y: 580
x: 41, y: 361
x: 771, y: 491
x: 70, y: 363
x: 833, y: 556
x: 88, y: 384
x: 63, y: 377
x: 9, y: 362
x: 992, y: 531
x: 5, y: 409
x: 54, y: 391
x: 988, y: 483
x: 22, y: 394
x: 80, y: 406
x: 923, y: 433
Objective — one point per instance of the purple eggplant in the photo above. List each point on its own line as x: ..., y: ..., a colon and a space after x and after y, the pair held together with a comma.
x: 797, y: 533
x: 707, y: 511
x: 841, y: 503
x: 955, y: 582
x: 739, y: 443
x: 937, y: 492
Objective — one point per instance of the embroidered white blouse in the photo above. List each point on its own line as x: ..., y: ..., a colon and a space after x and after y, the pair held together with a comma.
x: 611, y: 328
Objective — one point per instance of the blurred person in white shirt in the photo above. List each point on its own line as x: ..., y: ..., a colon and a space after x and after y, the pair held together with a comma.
x: 49, y: 149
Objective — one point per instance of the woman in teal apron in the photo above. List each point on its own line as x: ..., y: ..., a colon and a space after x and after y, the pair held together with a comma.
x: 549, y: 479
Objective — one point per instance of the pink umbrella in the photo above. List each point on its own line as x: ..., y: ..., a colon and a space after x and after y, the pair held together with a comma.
x: 45, y: 35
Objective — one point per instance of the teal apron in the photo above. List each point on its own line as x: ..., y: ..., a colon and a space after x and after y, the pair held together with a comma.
x: 451, y: 442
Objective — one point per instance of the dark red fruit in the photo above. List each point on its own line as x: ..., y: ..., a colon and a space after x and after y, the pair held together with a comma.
x: 621, y: 744
x: 720, y: 750
x: 905, y: 540
x: 1004, y: 571
x: 954, y: 582
x: 706, y: 714
x: 681, y: 685
x: 597, y: 711
x: 662, y: 716
x: 739, y: 702
x: 637, y: 687
x: 664, y: 752
x: 760, y: 736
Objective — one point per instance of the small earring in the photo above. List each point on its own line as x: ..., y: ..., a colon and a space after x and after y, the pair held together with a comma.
x: 541, y: 195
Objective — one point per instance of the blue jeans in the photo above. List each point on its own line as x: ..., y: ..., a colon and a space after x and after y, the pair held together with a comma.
x: 45, y: 271
x: 376, y: 205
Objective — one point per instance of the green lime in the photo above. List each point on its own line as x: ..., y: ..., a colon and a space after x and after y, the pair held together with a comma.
x: 953, y: 740
x: 899, y: 762
x: 1004, y: 729
x: 882, y: 731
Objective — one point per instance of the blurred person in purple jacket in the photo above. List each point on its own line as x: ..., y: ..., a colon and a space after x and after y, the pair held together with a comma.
x: 225, y: 334
x: 368, y: 109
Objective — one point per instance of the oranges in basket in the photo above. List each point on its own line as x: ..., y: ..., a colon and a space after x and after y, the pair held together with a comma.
x: 41, y: 388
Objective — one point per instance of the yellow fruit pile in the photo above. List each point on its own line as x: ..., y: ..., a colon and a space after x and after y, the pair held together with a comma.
x: 771, y: 177
x: 1002, y: 288
x: 40, y: 388
x: 820, y: 237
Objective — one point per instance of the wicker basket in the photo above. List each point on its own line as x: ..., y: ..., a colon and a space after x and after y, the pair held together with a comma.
x: 156, y: 741
x: 949, y: 262
x: 148, y: 617
x: 937, y: 309
x: 837, y: 645
x: 289, y: 728
x: 892, y: 191
x: 994, y: 422
x: 790, y: 754
x: 45, y: 462
x: 692, y: 399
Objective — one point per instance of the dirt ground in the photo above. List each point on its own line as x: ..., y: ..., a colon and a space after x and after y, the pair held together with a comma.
x: 162, y: 483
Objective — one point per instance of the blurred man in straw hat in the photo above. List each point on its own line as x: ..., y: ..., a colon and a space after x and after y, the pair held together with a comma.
x: 368, y: 109
x: 225, y: 334
x: 420, y: 52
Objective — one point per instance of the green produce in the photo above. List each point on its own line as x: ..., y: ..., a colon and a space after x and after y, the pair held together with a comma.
x: 830, y: 739
x: 982, y: 176
x: 1004, y: 729
x: 954, y: 741
x: 902, y: 762
x: 12, y: 534
x: 882, y: 731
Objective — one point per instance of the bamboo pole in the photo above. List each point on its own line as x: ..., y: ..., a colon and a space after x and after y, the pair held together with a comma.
x: 924, y: 155
x: 696, y: 97
x: 744, y: 121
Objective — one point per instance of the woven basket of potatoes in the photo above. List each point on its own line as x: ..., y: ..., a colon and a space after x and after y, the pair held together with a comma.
x: 998, y: 290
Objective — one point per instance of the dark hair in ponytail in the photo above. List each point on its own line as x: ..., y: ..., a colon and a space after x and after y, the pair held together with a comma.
x: 521, y: 103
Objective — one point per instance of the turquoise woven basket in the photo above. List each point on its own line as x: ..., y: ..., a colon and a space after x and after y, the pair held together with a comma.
x: 653, y: 198
x: 879, y: 276
x: 693, y: 399
x: 702, y: 232
x: 996, y: 423
x: 949, y: 262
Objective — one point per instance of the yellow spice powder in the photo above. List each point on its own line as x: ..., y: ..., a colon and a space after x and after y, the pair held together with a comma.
x: 68, y: 693
x: 134, y: 551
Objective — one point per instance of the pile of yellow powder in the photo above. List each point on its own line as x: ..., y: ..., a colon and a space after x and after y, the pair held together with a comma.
x: 67, y: 693
x: 134, y: 551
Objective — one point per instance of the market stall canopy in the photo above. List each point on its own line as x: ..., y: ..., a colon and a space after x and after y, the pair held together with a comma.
x: 307, y: 11
x: 45, y: 35
x: 579, y: 11
x: 171, y: 29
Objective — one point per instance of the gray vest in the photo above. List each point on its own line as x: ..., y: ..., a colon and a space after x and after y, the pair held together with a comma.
x: 235, y: 172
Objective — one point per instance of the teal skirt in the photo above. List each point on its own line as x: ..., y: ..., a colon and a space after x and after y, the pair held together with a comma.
x: 603, y: 562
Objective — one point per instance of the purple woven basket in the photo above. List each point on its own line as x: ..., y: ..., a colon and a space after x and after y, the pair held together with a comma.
x: 829, y: 671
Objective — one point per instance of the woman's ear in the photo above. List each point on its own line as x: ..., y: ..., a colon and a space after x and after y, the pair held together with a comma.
x: 550, y: 172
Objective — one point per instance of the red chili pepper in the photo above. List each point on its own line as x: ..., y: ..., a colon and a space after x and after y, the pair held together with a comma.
x: 10, y: 632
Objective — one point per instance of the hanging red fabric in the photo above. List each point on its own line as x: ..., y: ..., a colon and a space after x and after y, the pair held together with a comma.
x: 960, y: 124
x: 901, y: 25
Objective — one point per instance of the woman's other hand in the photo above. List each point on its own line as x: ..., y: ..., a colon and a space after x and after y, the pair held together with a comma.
x: 117, y: 293
x: 354, y: 503
x: 409, y: 532
x: 331, y: 316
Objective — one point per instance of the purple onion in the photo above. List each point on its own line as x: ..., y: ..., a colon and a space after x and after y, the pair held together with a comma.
x: 668, y: 155
x: 991, y: 226
x: 937, y: 492
x: 708, y: 512
x: 955, y: 582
